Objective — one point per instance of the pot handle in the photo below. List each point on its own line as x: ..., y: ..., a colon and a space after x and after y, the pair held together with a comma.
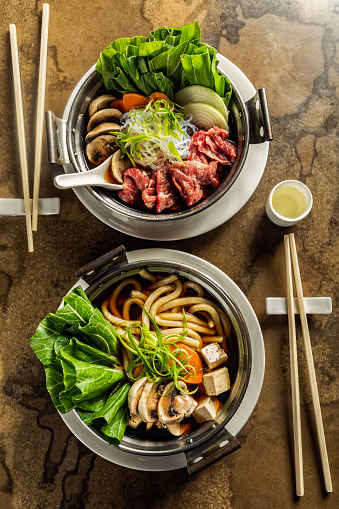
x: 259, y: 118
x: 56, y: 139
x: 222, y: 444
x: 101, y: 266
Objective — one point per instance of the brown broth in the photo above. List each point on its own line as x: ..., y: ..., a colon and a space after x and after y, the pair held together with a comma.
x: 109, y: 177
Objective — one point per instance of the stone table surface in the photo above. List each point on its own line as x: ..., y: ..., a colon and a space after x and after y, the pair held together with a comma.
x: 290, y: 48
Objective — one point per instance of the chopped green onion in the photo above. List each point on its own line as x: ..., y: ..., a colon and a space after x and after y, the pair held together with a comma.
x: 173, y: 150
x: 154, y: 132
x: 159, y: 361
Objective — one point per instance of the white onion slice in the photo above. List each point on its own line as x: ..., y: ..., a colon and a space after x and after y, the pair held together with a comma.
x: 200, y: 94
x: 205, y: 116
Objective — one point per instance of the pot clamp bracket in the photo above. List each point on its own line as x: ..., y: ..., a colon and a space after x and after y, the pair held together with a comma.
x: 211, y: 451
x: 56, y: 139
x: 260, y: 129
x: 102, y: 265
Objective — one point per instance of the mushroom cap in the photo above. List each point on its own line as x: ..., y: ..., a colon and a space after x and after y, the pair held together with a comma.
x: 100, y: 148
x: 104, y: 128
x: 174, y: 406
x: 106, y: 115
x: 99, y: 103
x: 134, y: 395
x: 119, y: 165
x: 148, y: 402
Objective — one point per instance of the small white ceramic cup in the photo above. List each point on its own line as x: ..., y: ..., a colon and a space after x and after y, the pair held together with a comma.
x: 277, y: 218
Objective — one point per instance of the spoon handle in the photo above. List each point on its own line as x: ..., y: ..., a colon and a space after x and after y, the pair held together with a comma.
x: 69, y: 180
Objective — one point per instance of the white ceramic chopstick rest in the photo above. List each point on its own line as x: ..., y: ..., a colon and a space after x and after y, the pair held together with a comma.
x: 16, y: 206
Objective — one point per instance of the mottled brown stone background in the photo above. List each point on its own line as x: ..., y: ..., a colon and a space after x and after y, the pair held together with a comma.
x: 291, y: 48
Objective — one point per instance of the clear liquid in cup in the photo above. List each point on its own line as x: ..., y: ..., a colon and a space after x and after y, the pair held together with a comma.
x: 289, y: 201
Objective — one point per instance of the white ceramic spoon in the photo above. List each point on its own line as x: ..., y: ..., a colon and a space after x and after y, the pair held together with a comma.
x: 95, y: 177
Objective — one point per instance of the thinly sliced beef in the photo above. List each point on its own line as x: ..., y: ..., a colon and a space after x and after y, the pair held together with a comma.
x: 149, y: 195
x: 215, y: 145
x: 196, y: 155
x: 140, y: 177
x: 164, y: 188
x: 188, y: 187
x: 135, y: 181
x: 159, y: 189
x: 191, y: 177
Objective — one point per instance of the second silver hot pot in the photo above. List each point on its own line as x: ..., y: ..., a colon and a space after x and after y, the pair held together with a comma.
x: 212, y: 440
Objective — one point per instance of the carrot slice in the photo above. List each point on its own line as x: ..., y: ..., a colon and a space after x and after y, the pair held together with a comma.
x: 131, y: 100
x: 138, y: 370
x: 194, y: 361
x: 155, y: 96
x: 118, y: 105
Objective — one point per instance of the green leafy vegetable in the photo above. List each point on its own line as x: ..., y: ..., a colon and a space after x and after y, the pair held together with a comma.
x: 113, y: 403
x: 78, y: 348
x: 170, y: 59
x: 115, y: 430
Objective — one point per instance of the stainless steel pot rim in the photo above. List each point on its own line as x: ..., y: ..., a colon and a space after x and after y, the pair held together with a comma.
x: 240, y: 417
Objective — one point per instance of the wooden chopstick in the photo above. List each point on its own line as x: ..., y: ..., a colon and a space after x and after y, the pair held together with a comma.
x: 311, y: 370
x: 21, y: 133
x: 298, y: 454
x: 40, y: 113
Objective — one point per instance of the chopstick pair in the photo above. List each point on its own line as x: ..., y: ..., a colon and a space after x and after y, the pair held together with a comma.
x: 291, y: 253
x: 31, y: 215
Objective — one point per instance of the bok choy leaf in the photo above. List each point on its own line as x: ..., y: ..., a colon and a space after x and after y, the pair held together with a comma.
x: 79, y: 350
x: 169, y: 60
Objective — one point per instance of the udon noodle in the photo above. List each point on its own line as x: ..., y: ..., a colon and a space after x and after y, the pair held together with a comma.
x: 164, y: 298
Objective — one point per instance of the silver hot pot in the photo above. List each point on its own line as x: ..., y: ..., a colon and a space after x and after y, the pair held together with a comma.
x: 250, y: 129
x: 214, y: 439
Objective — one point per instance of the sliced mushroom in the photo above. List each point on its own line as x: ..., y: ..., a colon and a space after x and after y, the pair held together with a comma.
x: 101, y: 116
x: 148, y: 402
x: 100, y: 129
x: 134, y: 421
x: 99, y: 103
x: 183, y: 404
x: 174, y: 406
x: 119, y: 165
x: 134, y: 395
x: 175, y: 429
x: 100, y: 148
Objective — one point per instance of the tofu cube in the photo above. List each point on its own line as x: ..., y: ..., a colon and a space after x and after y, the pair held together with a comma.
x: 216, y: 382
x: 214, y: 355
x: 207, y: 409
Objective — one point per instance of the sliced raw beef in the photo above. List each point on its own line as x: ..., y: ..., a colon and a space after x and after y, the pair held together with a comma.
x: 215, y: 145
x: 165, y: 189
x: 187, y: 186
x: 135, y: 180
x: 191, y: 177
x: 149, y: 195
x: 196, y: 155
x: 140, y: 177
